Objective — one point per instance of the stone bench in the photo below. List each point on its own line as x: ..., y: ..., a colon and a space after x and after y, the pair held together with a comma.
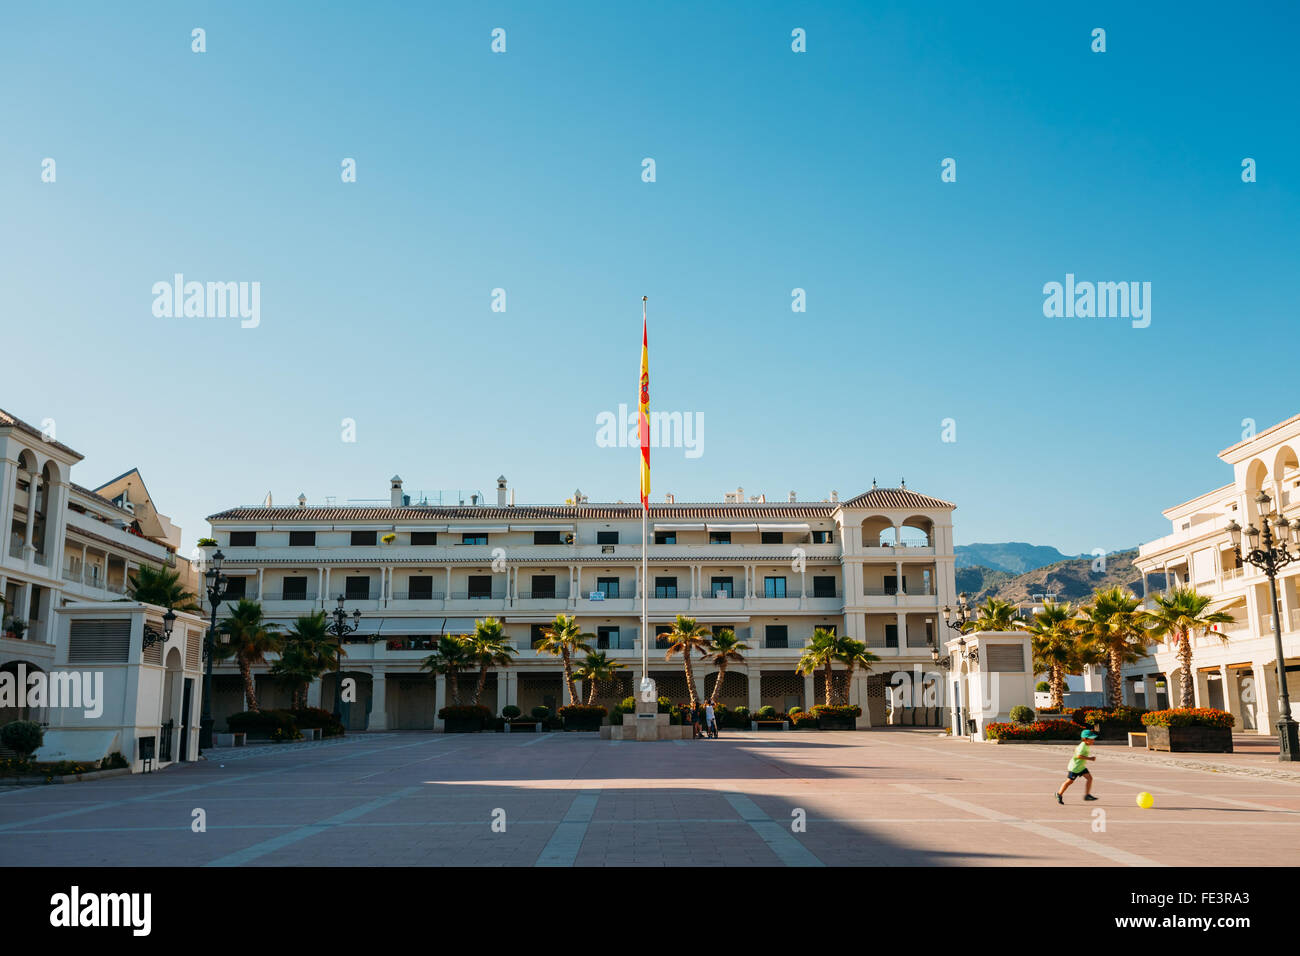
x: 229, y: 740
x: 769, y: 724
x: 1137, y: 739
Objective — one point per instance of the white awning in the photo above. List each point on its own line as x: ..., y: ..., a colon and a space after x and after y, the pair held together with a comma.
x: 732, y: 527
x: 542, y: 527
x: 476, y: 529
x: 407, y: 529
x: 659, y: 526
x: 792, y: 528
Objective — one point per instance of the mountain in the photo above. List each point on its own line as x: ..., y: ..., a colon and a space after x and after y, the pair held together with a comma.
x: 1014, y: 557
x: 1072, y: 579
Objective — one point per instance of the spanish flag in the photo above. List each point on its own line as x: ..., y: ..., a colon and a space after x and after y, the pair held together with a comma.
x: 643, y: 418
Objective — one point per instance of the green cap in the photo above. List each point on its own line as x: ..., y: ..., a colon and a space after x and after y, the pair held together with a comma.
x: 1088, y: 735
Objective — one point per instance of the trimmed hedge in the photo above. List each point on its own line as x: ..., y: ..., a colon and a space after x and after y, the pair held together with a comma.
x: 842, y: 710
x: 269, y: 724
x: 467, y: 712
x: 1038, y: 730
x: 312, y: 718
x: 1190, y: 717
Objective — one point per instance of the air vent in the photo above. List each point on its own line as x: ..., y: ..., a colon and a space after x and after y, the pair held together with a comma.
x: 106, y: 642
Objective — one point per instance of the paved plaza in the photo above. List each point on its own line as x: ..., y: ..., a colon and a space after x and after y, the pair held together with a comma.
x: 882, y: 798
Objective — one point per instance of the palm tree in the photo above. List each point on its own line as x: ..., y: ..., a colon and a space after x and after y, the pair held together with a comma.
x: 161, y: 587
x: 251, y: 639
x: 727, y: 649
x: 685, y: 637
x: 855, y: 655
x: 563, y: 639
x: 822, y: 651
x: 450, y: 658
x: 1179, y: 613
x: 1054, y: 640
x: 487, y: 646
x: 1115, y: 630
x: 307, y: 652
x: 995, y: 615
x: 596, y: 668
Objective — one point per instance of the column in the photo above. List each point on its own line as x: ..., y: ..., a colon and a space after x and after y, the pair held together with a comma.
x: 378, y: 702
x: 260, y: 595
x: 510, y: 681
x: 900, y: 619
x: 755, y: 675
x: 320, y: 585
x: 314, y: 693
x: 56, y: 524
x: 439, y: 702
x: 324, y: 593
x: 810, y: 691
x: 898, y: 577
x: 29, y: 549
x: 858, y: 695
x: 8, y: 490
x: 447, y: 595
x: 1266, y: 702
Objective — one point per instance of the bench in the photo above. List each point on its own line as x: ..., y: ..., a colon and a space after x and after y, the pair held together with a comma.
x: 769, y: 724
x: 1137, y: 739
x: 230, y: 740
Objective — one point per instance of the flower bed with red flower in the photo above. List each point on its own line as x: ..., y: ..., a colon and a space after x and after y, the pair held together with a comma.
x: 1190, y: 717
x: 1038, y: 730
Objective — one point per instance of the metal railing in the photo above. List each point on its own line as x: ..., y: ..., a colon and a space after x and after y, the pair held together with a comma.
x: 421, y: 596
x: 290, y: 596
x: 478, y: 596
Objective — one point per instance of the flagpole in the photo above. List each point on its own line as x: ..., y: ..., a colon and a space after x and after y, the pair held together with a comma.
x: 645, y: 556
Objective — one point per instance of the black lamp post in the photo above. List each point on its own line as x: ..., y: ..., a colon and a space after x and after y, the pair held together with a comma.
x: 216, y: 584
x: 956, y: 620
x: 153, y: 636
x: 340, y: 628
x: 1267, y: 550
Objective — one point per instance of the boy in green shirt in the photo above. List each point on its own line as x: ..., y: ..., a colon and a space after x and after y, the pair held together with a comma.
x: 1079, y: 768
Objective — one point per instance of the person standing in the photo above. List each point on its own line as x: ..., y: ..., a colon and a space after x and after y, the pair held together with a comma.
x: 710, y: 719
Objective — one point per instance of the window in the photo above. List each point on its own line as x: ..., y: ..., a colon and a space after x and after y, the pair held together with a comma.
x: 357, y: 587
x: 774, y: 587
x: 719, y: 537
x: 473, y: 538
x: 891, y: 635
x: 546, y: 537
x: 823, y: 537
x: 302, y: 539
x: 237, y: 588
x: 243, y: 539
x: 537, y: 634
x: 424, y: 537
x: 607, y: 587
x: 361, y: 539
x: 824, y: 586
x: 772, y: 537
x: 665, y: 537
x: 607, y: 537
x: 295, y: 589
x: 661, y: 636
x: 722, y: 587
x: 665, y: 587
x: 606, y: 638
x: 480, y: 586
x: 891, y: 583
x: 420, y: 587
x: 777, y: 635
x: 543, y: 585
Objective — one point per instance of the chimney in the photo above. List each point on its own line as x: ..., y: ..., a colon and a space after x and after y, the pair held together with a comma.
x: 670, y: 499
x: 302, y: 501
x: 396, y: 497
x: 473, y: 500
x: 792, y: 497
x: 501, y: 492
x: 512, y: 497
x: 835, y: 495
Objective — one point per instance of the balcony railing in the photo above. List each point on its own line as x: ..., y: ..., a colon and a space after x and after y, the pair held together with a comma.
x: 554, y: 594
x: 290, y: 596
x: 420, y: 596
x: 73, y: 575
x: 478, y: 596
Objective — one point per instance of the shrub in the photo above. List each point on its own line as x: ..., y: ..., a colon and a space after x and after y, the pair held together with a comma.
x: 766, y: 712
x: 665, y: 705
x: 310, y: 718
x: 540, y: 713
x: 1119, y: 717
x: 207, y: 543
x: 583, y: 711
x: 510, y: 712
x: 23, y: 736
x: 803, y: 720
x: 1039, y: 730
x: 1020, y: 714
x: 465, y: 712
x: 1176, y: 717
x: 275, y: 724
x: 831, y: 710
x: 1042, y: 687
x: 795, y: 710
x: 114, y: 761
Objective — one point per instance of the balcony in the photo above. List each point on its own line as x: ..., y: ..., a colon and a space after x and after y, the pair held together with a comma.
x: 298, y: 596
x: 419, y: 596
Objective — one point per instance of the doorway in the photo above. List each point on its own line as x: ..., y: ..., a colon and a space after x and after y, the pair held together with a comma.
x: 187, y: 699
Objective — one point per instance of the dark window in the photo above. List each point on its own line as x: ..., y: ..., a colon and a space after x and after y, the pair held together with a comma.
x: 302, y: 539
x: 546, y: 537
x: 474, y: 538
x: 420, y: 587
x: 543, y: 585
x: 537, y: 634
x: 891, y: 635
x: 891, y: 584
x: 661, y: 635
x: 719, y: 537
x: 606, y: 637
x: 665, y: 587
x: 607, y: 587
x: 424, y: 537
x: 772, y: 537
x: 823, y: 537
x: 777, y: 635
x: 237, y: 588
x: 357, y: 588
x: 607, y: 537
x: 665, y: 537
x: 774, y: 587
x: 480, y: 585
x: 363, y: 538
x: 824, y: 587
x: 295, y: 589
x: 243, y: 539
x: 723, y: 587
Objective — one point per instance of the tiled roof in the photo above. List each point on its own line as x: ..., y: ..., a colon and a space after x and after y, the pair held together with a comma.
x: 894, y: 498
x: 13, y: 421
x: 100, y: 498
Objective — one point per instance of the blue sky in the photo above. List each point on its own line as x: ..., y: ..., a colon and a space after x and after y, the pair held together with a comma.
x: 775, y: 170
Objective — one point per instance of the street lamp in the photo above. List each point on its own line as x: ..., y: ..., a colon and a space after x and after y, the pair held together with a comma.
x: 340, y: 628
x: 153, y: 636
x: 1267, y: 550
x: 957, y: 620
x: 216, y: 584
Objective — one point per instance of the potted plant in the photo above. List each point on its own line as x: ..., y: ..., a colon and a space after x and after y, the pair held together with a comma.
x: 16, y: 629
x: 464, y: 718
x: 1189, y: 730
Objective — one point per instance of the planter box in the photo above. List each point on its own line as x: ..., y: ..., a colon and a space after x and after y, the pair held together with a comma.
x: 1204, y: 740
x: 462, y: 725
x: 589, y: 724
x: 837, y: 723
x: 523, y: 727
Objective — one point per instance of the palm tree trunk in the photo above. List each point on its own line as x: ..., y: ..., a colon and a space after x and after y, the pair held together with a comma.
x: 717, y: 681
x: 250, y: 691
x: 482, y: 681
x: 591, y: 692
x: 568, y: 676
x: 1187, y: 697
x: 848, y: 685
x: 690, y: 677
x: 1114, y: 682
x: 1057, y: 681
x: 830, y: 689
x: 453, y: 687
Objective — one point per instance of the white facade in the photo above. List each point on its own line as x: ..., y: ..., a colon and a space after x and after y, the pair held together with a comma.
x: 876, y: 567
x: 1237, y: 674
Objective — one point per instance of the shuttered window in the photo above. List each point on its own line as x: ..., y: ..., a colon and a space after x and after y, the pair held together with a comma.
x: 105, y: 642
x: 1003, y: 658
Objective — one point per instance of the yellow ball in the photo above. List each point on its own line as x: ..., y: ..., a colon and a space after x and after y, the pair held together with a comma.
x: 1146, y: 801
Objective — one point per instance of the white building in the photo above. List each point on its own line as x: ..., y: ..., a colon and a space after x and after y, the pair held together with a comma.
x: 877, y: 567
x: 70, y: 547
x: 1239, y: 673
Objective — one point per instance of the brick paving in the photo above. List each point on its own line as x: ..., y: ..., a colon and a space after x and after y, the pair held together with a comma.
x: 882, y: 798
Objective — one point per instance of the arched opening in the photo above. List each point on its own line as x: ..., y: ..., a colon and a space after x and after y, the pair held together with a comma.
x: 917, y: 532
x: 20, y: 672
x: 878, y: 532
